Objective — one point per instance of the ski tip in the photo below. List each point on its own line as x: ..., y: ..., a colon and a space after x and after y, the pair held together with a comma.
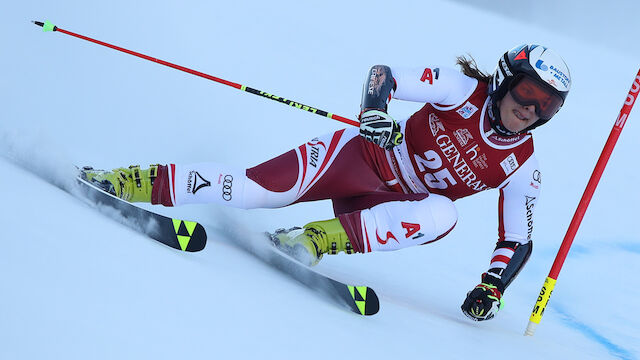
x: 372, y: 305
x: 190, y: 235
x: 365, y: 300
x: 46, y: 26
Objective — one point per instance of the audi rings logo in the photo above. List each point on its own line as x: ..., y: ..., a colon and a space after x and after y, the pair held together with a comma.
x: 537, y: 177
x: 226, y: 187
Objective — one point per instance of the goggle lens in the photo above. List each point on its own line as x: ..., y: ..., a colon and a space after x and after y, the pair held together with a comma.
x: 527, y: 91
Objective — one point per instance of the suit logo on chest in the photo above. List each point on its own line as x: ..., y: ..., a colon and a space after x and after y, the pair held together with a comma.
x: 509, y: 164
x: 467, y: 110
x: 463, y: 136
x: 435, y: 124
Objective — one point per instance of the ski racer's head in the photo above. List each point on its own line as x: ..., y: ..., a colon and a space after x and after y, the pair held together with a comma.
x: 527, y: 89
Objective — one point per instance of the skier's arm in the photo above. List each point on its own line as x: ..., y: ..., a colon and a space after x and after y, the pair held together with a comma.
x: 378, y: 89
x: 516, y: 205
x: 431, y: 85
x: 518, y: 197
x: 436, y: 85
x: 376, y: 125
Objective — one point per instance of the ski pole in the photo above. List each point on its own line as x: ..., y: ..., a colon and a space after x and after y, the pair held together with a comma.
x: 550, y: 281
x: 47, y: 26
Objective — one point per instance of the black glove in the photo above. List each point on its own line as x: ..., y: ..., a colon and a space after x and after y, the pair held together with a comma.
x: 483, y: 302
x: 379, y: 128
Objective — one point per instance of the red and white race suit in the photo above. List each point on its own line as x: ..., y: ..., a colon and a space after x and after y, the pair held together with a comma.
x: 387, y: 200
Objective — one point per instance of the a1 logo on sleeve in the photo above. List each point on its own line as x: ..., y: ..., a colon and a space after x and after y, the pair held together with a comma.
x: 429, y: 76
x: 509, y: 164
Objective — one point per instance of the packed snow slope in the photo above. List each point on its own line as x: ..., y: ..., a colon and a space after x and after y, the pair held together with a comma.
x: 77, y: 285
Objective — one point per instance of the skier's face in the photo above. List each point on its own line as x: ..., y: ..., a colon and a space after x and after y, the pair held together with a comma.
x: 516, y: 117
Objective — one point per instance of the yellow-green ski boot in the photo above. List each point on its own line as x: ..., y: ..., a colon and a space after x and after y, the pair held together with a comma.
x: 308, y: 244
x: 130, y: 184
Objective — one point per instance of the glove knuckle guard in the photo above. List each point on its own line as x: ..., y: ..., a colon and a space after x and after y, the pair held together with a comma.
x: 378, y: 127
x: 482, y: 303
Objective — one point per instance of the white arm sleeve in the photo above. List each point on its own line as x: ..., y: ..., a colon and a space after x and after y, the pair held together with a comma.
x: 517, y: 199
x: 436, y: 85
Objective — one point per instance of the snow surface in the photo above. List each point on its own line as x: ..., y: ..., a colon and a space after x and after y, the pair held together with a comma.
x: 76, y: 285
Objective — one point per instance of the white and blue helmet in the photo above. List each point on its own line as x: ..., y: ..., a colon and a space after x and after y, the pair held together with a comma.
x: 539, y: 65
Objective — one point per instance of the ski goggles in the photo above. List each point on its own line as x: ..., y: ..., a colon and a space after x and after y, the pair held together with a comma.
x: 527, y: 91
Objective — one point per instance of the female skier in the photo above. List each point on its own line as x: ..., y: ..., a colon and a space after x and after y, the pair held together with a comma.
x: 393, y: 183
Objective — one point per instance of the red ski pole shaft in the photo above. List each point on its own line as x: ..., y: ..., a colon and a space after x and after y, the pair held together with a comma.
x: 549, y: 284
x: 47, y: 26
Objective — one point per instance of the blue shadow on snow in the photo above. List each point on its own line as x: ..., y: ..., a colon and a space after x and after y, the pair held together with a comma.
x: 592, y: 334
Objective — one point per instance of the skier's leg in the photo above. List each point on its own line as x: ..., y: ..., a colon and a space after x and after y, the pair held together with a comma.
x: 398, y: 224
x: 403, y: 220
x: 336, y: 165
x: 331, y: 166
x: 180, y: 184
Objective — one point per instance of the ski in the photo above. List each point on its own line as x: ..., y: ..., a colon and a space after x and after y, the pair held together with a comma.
x: 361, y: 300
x: 177, y: 233
x: 191, y: 236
